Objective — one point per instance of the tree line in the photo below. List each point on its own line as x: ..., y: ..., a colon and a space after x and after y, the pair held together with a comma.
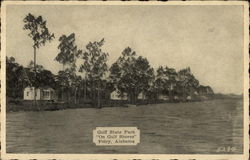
x: 93, y: 79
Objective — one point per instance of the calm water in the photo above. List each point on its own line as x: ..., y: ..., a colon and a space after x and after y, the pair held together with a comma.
x: 198, y: 127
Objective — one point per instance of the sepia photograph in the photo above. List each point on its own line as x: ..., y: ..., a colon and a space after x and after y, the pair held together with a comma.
x: 114, y: 78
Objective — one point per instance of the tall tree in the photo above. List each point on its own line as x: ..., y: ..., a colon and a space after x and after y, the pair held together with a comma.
x: 160, y: 80
x: 131, y: 74
x: 67, y: 55
x: 170, y: 80
x: 95, y: 66
x: 187, y: 82
x: 62, y: 81
x: 39, y: 33
x: 76, y: 85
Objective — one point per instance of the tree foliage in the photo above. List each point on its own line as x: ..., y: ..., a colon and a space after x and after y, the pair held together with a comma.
x: 131, y: 74
x: 166, y: 79
x: 94, y: 61
x: 95, y: 66
x: 19, y: 77
x: 39, y: 33
x: 67, y: 50
x: 38, y: 30
x: 67, y: 55
x: 187, y: 81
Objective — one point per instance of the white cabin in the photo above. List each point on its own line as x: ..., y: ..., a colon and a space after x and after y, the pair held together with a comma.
x: 163, y: 97
x: 42, y: 93
x: 141, y: 96
x: 189, y: 98
x: 117, y: 95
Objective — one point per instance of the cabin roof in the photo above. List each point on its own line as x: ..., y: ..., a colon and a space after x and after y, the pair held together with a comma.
x: 45, y: 87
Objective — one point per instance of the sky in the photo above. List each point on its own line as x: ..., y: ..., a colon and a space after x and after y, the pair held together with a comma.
x: 208, y: 39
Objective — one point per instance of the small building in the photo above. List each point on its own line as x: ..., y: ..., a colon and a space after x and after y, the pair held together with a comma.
x: 189, y: 98
x: 196, y: 93
x: 176, y: 98
x: 42, y: 93
x: 163, y: 97
x: 117, y: 95
x: 141, y: 96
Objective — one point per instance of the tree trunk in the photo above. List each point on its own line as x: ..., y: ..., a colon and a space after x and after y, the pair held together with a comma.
x: 183, y: 91
x: 79, y: 95
x: 62, y: 93
x: 131, y: 96
x: 68, y: 95
x: 85, y: 88
x: 98, y: 96
x: 35, y: 75
x: 75, y: 95
x: 135, y: 99
x: 169, y: 93
x: 93, y: 93
x: 62, y: 86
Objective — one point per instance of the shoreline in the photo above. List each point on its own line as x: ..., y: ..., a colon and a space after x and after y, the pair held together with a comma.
x: 56, y: 107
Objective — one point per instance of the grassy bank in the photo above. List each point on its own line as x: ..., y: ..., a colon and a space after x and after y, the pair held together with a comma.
x: 21, y: 105
x: 49, y: 107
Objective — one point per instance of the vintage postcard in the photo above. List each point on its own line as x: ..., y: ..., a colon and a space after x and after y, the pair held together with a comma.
x: 118, y: 80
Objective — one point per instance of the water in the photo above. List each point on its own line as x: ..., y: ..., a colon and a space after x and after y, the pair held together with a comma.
x: 176, y: 128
